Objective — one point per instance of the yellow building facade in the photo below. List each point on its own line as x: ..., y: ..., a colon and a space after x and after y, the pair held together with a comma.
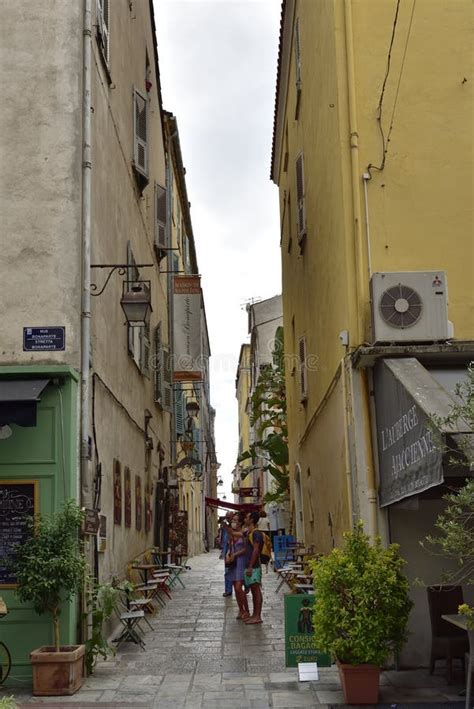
x: 242, y: 392
x: 372, y: 154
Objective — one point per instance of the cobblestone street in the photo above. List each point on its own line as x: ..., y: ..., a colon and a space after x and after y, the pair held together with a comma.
x: 200, y: 656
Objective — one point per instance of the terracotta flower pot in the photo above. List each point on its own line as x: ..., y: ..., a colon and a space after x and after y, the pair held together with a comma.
x: 360, y: 683
x: 57, y: 673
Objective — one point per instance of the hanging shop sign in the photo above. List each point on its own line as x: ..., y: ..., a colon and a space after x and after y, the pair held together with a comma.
x: 248, y: 492
x: 187, y: 365
x: 300, y: 639
x: 19, y: 502
x: 44, y: 339
x: 410, y: 461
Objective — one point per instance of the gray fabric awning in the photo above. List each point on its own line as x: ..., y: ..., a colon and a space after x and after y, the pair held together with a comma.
x: 18, y: 400
x: 410, y: 405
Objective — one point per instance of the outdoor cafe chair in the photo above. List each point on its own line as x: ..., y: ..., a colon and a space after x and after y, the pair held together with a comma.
x: 447, y: 641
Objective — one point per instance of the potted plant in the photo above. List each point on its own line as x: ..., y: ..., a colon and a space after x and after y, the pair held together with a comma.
x: 49, y: 567
x: 361, y: 611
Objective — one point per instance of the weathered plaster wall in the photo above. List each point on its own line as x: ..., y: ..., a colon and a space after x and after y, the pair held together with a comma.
x: 40, y: 180
x: 122, y: 214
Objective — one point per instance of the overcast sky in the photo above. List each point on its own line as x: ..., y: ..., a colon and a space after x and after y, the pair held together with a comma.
x: 218, y: 72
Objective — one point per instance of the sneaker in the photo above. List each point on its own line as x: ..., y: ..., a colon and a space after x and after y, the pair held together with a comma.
x: 227, y: 594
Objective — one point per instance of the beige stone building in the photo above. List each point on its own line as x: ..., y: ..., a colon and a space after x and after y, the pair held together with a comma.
x: 87, y: 395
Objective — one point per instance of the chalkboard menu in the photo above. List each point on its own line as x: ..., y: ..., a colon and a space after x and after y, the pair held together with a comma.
x: 18, y: 503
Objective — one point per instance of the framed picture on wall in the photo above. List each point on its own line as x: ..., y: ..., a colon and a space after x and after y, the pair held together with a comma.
x: 148, y: 513
x: 127, y: 484
x: 138, y: 503
x: 117, y: 493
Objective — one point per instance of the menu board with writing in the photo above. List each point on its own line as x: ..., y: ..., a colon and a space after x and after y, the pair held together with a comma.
x: 18, y: 503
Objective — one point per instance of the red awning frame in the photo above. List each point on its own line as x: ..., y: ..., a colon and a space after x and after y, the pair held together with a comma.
x: 244, y: 507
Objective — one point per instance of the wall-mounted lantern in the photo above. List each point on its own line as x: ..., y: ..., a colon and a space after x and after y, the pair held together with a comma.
x: 136, y: 302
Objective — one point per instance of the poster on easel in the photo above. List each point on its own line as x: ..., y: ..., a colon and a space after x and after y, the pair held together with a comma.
x: 179, y: 532
x: 300, y: 639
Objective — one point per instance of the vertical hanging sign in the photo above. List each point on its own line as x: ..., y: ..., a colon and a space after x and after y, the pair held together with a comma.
x: 187, y: 359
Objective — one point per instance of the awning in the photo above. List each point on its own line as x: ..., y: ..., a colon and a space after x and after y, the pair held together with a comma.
x: 407, y: 397
x: 244, y: 507
x: 18, y: 400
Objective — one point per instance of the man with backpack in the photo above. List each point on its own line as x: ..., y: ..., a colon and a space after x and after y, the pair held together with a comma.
x: 253, y: 568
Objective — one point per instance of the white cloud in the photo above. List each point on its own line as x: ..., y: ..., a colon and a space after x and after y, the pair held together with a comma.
x: 218, y: 72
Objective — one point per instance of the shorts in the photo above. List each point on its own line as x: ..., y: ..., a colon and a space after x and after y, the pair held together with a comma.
x: 256, y: 577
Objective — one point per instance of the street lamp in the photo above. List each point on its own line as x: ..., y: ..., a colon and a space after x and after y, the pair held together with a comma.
x: 136, y: 302
x: 192, y: 408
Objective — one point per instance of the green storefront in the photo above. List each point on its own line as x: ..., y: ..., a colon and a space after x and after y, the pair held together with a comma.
x: 39, y: 466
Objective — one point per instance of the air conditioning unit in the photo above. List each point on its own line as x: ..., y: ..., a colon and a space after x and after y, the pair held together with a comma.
x: 410, y: 306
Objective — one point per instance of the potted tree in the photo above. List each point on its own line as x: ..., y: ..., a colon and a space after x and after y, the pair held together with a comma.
x: 49, y: 567
x: 361, y: 611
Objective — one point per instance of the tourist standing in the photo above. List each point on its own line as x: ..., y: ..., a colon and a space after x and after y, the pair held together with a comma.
x: 225, y: 538
x: 237, y: 555
x: 253, y: 569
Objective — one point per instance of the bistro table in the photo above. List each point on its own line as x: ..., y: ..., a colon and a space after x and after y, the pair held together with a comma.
x: 461, y: 622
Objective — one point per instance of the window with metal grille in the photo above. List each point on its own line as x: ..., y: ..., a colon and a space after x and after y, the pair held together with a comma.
x: 140, y: 134
x: 103, y: 36
x: 300, y: 196
x: 297, y: 45
x: 303, y: 370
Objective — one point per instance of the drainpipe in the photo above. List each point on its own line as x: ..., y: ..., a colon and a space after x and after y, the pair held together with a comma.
x: 371, y: 493
x: 347, y: 458
x: 86, y: 491
x: 361, y: 285
x: 169, y: 180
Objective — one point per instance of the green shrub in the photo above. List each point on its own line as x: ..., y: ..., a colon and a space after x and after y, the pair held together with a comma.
x: 362, y: 605
x: 8, y: 703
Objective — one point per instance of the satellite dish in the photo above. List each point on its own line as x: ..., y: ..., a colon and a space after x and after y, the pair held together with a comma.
x: 5, y: 432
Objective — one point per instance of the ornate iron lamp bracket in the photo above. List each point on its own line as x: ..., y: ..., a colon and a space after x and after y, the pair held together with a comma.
x: 122, y: 269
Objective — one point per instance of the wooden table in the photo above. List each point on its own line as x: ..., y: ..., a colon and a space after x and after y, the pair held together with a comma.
x: 461, y: 622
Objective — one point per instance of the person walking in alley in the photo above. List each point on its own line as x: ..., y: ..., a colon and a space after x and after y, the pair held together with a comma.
x: 253, y: 570
x: 225, y: 538
x: 237, y: 554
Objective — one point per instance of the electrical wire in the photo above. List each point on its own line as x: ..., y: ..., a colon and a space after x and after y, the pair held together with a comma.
x: 382, y: 93
x: 401, y: 71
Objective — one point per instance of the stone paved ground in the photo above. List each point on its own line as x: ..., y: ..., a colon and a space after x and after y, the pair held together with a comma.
x: 199, y: 656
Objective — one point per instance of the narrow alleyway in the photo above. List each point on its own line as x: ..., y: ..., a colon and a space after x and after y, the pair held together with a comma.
x: 200, y: 656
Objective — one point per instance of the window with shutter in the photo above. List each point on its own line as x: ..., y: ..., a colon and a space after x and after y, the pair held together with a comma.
x: 297, y: 44
x: 303, y: 370
x: 179, y: 409
x: 300, y: 196
x: 145, y: 349
x: 157, y: 362
x: 133, y: 333
x: 167, y: 401
x: 161, y: 232
x: 140, y: 134
x: 103, y: 7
